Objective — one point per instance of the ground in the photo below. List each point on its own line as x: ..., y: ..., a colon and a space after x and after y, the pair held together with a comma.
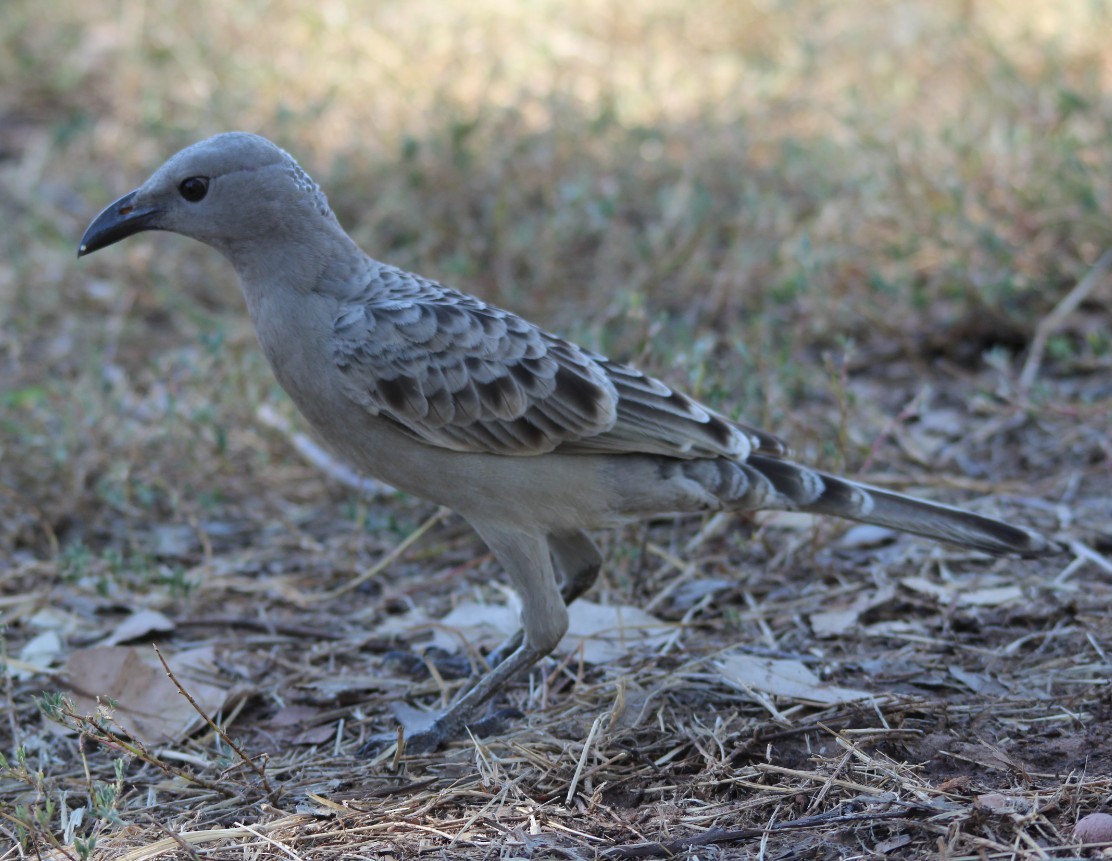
x: 879, y: 230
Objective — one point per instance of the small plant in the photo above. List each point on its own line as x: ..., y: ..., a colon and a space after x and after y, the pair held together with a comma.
x: 75, y: 561
x: 44, y: 817
x: 176, y: 579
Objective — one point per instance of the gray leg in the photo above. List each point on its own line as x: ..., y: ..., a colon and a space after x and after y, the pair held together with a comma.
x: 579, y: 561
x: 544, y: 617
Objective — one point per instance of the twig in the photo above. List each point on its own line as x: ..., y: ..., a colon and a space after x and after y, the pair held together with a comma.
x: 729, y: 835
x: 389, y: 558
x: 1054, y: 320
x: 266, y: 626
x: 259, y: 770
x: 189, y: 851
x: 318, y: 457
x: 200, y: 838
x: 38, y: 834
x: 269, y: 840
x: 1084, y: 551
x: 131, y: 746
x: 582, y: 761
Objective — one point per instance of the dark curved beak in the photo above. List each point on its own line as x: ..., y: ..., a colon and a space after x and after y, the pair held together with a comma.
x: 118, y: 221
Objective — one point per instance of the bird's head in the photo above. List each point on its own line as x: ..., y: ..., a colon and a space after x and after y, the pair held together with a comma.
x: 227, y: 191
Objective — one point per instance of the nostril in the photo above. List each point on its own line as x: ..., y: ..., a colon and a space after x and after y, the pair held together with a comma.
x: 126, y: 210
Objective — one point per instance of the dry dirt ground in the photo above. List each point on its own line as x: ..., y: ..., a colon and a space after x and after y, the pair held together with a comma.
x: 894, y: 257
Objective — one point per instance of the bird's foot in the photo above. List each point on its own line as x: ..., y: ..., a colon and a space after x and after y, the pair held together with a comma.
x: 376, y: 744
x: 441, y: 731
x: 450, y: 724
x: 433, y: 737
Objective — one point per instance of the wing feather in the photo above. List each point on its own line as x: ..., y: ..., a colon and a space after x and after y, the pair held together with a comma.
x: 459, y: 374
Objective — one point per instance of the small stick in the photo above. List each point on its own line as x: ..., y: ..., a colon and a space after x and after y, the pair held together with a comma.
x: 315, y: 454
x: 386, y: 560
x: 582, y: 761
x: 671, y: 848
x: 259, y: 770
x: 1054, y: 320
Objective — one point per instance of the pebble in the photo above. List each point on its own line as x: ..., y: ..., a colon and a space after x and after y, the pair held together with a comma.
x: 1094, y: 828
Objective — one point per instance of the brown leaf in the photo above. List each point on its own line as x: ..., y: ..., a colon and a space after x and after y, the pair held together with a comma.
x: 148, y: 704
x: 294, y: 715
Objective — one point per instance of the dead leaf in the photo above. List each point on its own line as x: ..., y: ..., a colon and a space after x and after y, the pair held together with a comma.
x: 891, y: 845
x: 60, y: 621
x: 603, y: 632
x: 606, y: 632
x: 475, y: 624
x: 928, y: 587
x: 687, y: 595
x: 839, y: 621
x: 954, y: 783
x: 330, y: 688
x: 37, y: 655
x: 138, y: 625
x: 413, y: 720
x: 866, y: 535
x: 784, y: 678
x: 173, y: 541
x: 896, y: 628
x: 948, y: 593
x: 633, y: 705
x: 978, y: 682
x: 315, y: 735
x: 148, y: 704
x: 293, y: 715
x: 834, y: 623
x: 943, y: 421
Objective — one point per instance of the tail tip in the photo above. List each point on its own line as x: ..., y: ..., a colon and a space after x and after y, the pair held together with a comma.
x: 1040, y: 547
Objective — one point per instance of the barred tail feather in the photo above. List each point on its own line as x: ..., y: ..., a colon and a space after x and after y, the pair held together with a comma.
x: 818, y: 493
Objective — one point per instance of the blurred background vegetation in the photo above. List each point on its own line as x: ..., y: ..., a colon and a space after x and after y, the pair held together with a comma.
x: 844, y: 220
x: 761, y: 201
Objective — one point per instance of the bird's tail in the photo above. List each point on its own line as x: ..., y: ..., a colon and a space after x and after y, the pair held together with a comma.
x: 797, y: 488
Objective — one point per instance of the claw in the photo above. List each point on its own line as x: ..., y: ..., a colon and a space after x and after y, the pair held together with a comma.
x: 442, y: 730
x: 376, y: 745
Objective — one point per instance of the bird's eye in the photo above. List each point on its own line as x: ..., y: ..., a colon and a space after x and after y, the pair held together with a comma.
x: 194, y: 188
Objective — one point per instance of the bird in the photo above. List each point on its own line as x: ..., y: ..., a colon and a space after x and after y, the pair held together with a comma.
x: 532, y: 439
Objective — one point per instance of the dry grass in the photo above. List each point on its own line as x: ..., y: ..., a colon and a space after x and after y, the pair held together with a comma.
x: 858, y: 224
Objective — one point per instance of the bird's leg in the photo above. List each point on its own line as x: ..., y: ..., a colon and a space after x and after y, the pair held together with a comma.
x: 576, y: 558
x: 579, y: 560
x: 528, y: 564
x: 465, y: 710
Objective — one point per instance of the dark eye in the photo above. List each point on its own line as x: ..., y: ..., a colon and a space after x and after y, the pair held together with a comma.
x: 194, y: 188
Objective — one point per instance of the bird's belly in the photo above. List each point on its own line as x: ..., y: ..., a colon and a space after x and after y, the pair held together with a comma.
x: 546, y: 491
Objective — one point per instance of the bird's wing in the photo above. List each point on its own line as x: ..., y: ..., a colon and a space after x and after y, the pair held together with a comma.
x: 654, y: 418
x: 459, y: 374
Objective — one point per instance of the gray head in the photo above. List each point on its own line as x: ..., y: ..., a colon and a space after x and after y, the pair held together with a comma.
x: 227, y: 191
